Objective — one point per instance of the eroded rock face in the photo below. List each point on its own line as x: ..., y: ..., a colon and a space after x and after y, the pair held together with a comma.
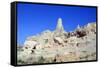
x: 60, y: 46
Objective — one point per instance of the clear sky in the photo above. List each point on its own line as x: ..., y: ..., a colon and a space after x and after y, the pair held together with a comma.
x: 33, y: 19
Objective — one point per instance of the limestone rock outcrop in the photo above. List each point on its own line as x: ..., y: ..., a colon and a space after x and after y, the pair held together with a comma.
x: 60, y: 46
x: 59, y: 27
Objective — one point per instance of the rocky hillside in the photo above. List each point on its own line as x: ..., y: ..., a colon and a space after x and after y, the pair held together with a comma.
x: 60, y: 46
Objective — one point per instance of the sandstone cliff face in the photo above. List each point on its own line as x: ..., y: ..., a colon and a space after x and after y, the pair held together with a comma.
x: 60, y: 46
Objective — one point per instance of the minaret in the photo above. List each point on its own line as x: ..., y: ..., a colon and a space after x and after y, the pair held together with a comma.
x: 59, y: 27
